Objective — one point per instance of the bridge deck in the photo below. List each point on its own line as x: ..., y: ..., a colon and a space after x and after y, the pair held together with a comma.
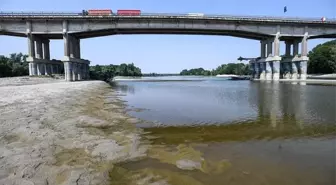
x: 71, y: 15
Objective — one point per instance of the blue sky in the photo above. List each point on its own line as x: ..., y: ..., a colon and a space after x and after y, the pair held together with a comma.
x: 167, y: 53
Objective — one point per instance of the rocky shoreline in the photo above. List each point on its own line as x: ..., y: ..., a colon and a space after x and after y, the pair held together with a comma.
x: 57, y: 132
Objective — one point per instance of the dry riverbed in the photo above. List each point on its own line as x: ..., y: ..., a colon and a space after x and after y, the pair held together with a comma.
x: 78, y: 133
x: 57, y: 132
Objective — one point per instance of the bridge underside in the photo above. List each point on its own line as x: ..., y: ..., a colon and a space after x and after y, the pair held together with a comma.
x: 100, y: 33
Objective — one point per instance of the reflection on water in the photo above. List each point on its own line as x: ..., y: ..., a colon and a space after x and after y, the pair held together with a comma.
x: 233, y: 132
x: 223, y: 101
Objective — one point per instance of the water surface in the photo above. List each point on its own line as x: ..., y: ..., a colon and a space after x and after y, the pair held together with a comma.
x: 242, y: 132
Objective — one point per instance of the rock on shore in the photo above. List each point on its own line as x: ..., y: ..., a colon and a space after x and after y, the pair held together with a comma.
x: 56, y: 132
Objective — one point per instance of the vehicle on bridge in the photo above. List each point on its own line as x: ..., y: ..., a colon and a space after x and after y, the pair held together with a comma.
x: 195, y: 14
x: 109, y: 12
x: 129, y: 12
x: 100, y: 12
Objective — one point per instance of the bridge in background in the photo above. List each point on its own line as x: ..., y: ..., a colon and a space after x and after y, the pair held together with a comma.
x: 39, y: 28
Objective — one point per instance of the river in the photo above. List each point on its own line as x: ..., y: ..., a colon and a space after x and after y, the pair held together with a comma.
x: 208, y: 130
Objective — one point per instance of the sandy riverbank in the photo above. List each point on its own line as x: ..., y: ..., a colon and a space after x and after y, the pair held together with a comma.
x: 56, y: 132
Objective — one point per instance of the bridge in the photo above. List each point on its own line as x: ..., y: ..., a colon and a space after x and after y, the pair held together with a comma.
x: 39, y: 28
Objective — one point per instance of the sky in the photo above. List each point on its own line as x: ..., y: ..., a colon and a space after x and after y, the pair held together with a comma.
x: 167, y: 53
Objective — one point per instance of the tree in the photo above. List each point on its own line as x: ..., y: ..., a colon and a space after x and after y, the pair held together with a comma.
x: 14, y: 65
x: 230, y: 68
x: 322, y: 58
x: 107, y: 72
x: 196, y: 71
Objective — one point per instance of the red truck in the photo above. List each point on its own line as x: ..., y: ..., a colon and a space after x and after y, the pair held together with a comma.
x: 100, y: 12
x: 129, y: 12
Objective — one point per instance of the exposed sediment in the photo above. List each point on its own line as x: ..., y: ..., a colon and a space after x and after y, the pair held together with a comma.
x: 63, y: 132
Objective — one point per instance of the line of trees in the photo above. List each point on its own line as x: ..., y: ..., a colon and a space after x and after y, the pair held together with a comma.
x: 107, y: 72
x: 230, y: 68
x: 14, y: 65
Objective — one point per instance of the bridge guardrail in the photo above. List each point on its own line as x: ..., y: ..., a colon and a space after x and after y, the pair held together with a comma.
x: 239, y: 17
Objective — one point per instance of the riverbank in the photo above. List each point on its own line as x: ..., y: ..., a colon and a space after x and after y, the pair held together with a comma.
x: 57, y: 132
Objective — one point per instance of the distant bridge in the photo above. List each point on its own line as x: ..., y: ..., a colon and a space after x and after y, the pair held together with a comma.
x: 40, y: 27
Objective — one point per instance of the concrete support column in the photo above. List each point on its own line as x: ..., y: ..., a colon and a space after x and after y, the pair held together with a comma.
x: 43, y: 68
x: 252, y: 68
x: 294, y: 72
x: 31, y: 49
x: 68, y: 71
x: 303, y: 69
x: 304, y: 45
x: 83, y: 72
x: 74, y: 71
x: 30, y: 38
x: 78, y: 52
x: 87, y: 71
x: 276, y: 70
x: 66, y: 41
x: 39, y: 69
x: 268, y: 66
x: 31, y: 46
x: 52, y: 68
x: 46, y: 49
x: 79, y: 71
x: 288, y: 48
x: 304, y: 58
x: 295, y: 48
x: 72, y: 44
x: 38, y: 44
x: 256, y: 70
x: 30, y: 68
x: 65, y: 71
x: 262, y: 63
x: 74, y: 47
x: 287, y: 64
x: 66, y: 47
x: 275, y: 64
x: 34, y: 68
x: 269, y: 48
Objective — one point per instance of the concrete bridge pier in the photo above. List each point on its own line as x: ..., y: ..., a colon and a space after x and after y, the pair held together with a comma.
x: 295, y: 60
x: 262, y: 61
x: 304, y: 58
x: 269, y: 63
x: 252, y: 69
x: 75, y: 68
x: 39, y: 55
x: 287, y: 61
x: 256, y: 69
x: 273, y: 59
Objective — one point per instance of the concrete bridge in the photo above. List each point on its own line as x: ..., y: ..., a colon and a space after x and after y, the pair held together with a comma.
x: 39, y: 28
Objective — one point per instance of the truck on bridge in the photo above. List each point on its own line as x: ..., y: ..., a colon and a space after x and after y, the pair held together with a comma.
x: 109, y: 12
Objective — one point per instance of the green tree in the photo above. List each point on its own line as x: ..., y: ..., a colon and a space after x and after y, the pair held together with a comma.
x: 195, y: 71
x: 14, y: 65
x: 322, y: 58
x: 107, y: 72
x: 230, y: 68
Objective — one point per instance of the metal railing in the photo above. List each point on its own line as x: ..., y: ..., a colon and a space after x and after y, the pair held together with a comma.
x: 219, y: 16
